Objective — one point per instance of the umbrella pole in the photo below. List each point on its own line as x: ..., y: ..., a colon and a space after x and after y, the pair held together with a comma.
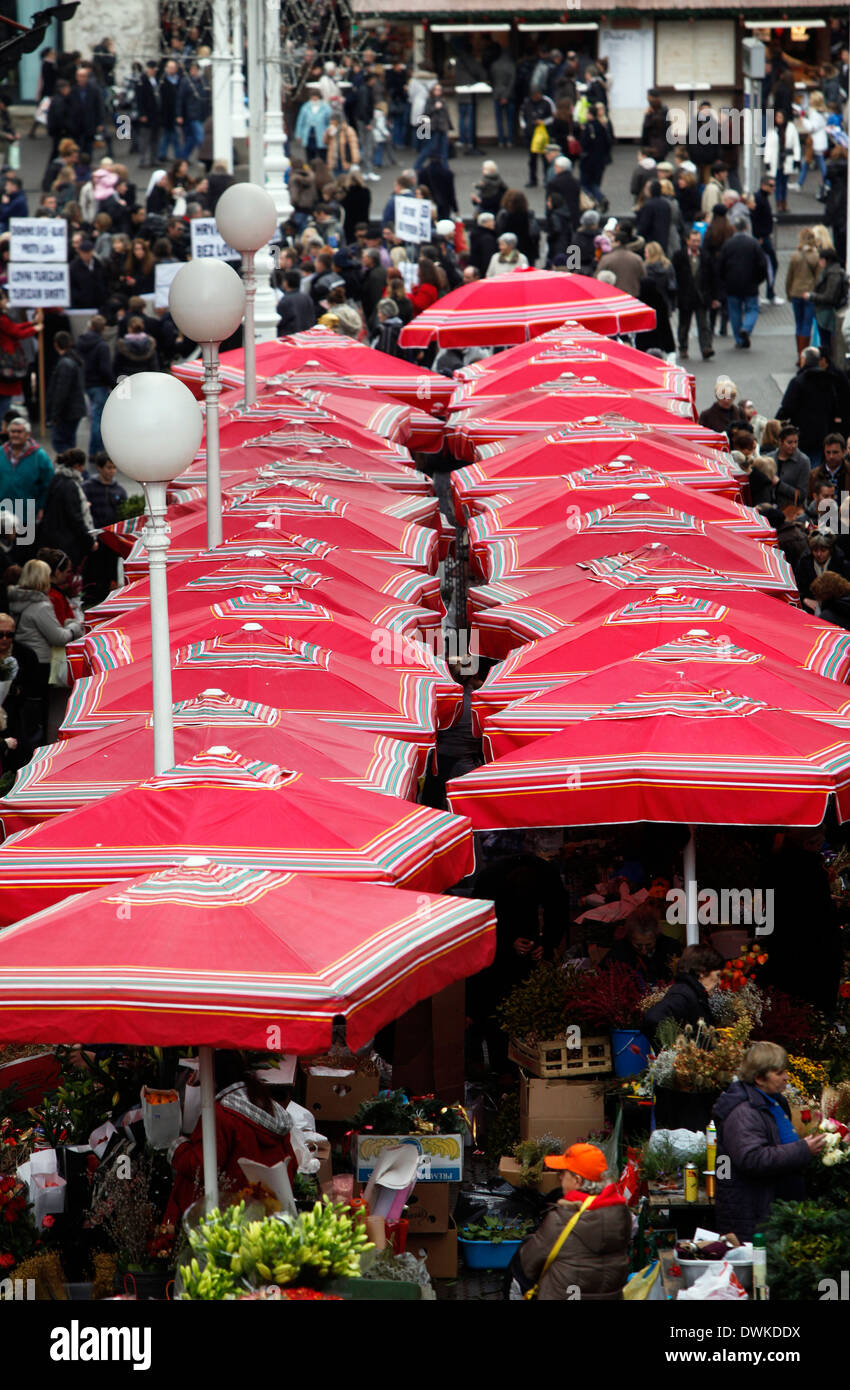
x: 689, y: 864
x: 206, y: 1068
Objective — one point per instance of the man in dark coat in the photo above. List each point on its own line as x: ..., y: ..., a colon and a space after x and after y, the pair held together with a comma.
x: 58, y: 123
x: 654, y: 217
x: 483, y: 242
x: 150, y: 113
x: 192, y: 108
x: 66, y: 397
x: 817, y: 399
x: 88, y: 283
x: 655, y: 122
x: 565, y: 183
x: 374, y: 281
x: 801, y: 893
x: 86, y: 112
x: 756, y: 1145
x: 742, y: 266
x: 296, y: 311
x: 693, y: 295
x: 170, y: 100
x: 821, y: 554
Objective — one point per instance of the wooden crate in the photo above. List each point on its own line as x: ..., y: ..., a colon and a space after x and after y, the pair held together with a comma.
x: 554, y: 1059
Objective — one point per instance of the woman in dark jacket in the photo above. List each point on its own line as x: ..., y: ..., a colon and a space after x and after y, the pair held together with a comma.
x: 686, y: 1000
x: 356, y: 200
x: 67, y: 523
x: 827, y: 295
x: 515, y: 217
x: 765, y: 1160
x: 136, y: 351
x: 717, y: 234
x: 596, y: 155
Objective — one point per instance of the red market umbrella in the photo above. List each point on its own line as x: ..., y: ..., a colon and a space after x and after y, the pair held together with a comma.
x: 679, y: 676
x: 215, y: 953
x: 620, y: 627
x: 256, y: 663
x: 231, y: 811
x: 569, y: 337
x: 421, y: 508
x: 424, y: 434
x: 372, y: 415
x: 129, y: 640
x: 65, y: 775
x: 552, y: 406
x: 520, y: 305
x: 578, y: 363
x: 744, y: 764
x: 319, y: 350
x: 518, y: 513
x: 595, y: 455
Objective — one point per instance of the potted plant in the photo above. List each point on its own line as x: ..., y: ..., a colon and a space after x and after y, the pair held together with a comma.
x: 491, y: 1242
x: 611, y: 999
x: 691, y: 1070
x: 126, y: 1209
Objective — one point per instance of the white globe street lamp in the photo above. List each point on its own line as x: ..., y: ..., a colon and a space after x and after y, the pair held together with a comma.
x: 152, y: 427
x: 207, y: 301
x: 247, y: 219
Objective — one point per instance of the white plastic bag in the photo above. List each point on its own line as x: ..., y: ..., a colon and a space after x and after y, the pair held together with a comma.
x: 717, y: 1284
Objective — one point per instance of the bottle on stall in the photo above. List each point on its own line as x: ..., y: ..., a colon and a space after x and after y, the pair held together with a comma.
x: 691, y: 1183
x: 761, y: 1293
x: 710, y: 1146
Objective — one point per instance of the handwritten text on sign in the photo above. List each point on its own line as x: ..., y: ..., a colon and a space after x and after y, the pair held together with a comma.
x: 412, y: 219
x: 207, y: 241
x: 38, y: 286
x: 39, y: 239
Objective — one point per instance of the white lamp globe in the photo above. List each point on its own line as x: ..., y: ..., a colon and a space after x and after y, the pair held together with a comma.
x: 207, y: 300
x: 152, y: 427
x: 246, y: 216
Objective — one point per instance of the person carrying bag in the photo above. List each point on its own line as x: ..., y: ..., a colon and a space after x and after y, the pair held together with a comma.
x: 534, y: 1291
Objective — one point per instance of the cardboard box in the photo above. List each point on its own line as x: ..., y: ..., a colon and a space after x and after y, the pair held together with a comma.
x: 510, y: 1170
x: 440, y: 1251
x: 338, y: 1097
x: 440, y: 1155
x: 427, y: 1210
x: 568, y: 1109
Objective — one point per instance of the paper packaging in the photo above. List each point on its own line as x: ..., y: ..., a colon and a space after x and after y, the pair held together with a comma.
x: 427, y: 1210
x: 568, y: 1109
x: 440, y: 1252
x: 100, y: 1137
x: 392, y: 1181
x: 440, y: 1155
x: 276, y: 1179
x: 46, y: 1188
x: 162, y: 1121
x: 510, y: 1170
x: 337, y: 1094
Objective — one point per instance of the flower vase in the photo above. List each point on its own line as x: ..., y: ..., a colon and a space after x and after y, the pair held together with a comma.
x: 629, y: 1050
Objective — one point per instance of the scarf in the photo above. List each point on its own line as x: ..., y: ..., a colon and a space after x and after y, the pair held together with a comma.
x: 62, y: 471
x: 235, y: 1098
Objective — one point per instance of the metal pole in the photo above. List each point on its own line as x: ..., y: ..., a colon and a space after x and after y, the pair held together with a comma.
x: 212, y: 391
x: 274, y: 158
x: 689, y: 865
x: 221, y: 112
x: 256, y: 93
x: 237, y: 82
x: 157, y: 538
x: 206, y: 1072
x: 847, y: 162
x: 249, y: 280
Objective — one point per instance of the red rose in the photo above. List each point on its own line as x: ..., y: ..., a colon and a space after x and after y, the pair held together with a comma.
x: 805, y: 1116
x: 48, y: 1221
x: 11, y: 1214
x: 6, y: 1261
x: 844, y: 989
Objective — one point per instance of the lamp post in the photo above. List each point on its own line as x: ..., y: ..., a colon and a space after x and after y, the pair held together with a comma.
x: 275, y: 162
x: 152, y: 427
x: 239, y: 124
x: 247, y: 218
x: 221, y: 109
x: 207, y: 301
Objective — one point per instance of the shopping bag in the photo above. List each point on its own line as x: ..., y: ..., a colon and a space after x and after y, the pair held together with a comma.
x: 717, y: 1284
x: 646, y: 1286
x: 539, y: 139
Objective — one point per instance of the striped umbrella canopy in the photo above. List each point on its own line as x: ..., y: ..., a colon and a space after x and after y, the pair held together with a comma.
x: 256, y: 663
x: 128, y: 641
x: 619, y: 628
x: 513, y: 514
x: 367, y: 411
x: 302, y: 456
x: 604, y: 453
x: 320, y: 351
x: 576, y: 362
x: 743, y: 763
x: 422, y: 508
x: 233, y: 811
x: 553, y: 406
x: 217, y: 952
x: 569, y: 337
x: 520, y: 305
x: 684, y: 557
x: 625, y: 526
x: 62, y: 776
x: 343, y: 396
x: 410, y: 596
x: 488, y: 393
x: 674, y: 677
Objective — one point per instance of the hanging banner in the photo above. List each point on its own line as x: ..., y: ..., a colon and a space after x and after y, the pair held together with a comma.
x: 412, y: 219
x: 208, y: 241
x: 38, y: 286
x: 38, y: 239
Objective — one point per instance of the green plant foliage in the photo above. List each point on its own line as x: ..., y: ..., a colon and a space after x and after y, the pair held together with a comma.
x: 497, y: 1231
x: 503, y: 1130
x: 131, y: 506
x: 535, y: 1008
x: 530, y: 1153
x: 806, y: 1242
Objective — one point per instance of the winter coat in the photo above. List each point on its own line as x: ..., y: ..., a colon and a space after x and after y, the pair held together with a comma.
x: 653, y: 134
x: 135, y: 352
x: 801, y: 274
x: 559, y: 233
x: 491, y: 190
x: 792, y: 539
x: 483, y: 245
x: 218, y: 184
x: 16, y: 207
x: 438, y: 114
x: 828, y: 290
x: 792, y: 477
x: 762, y: 481
x: 302, y: 189
x: 423, y: 296
x: 691, y: 282
x: 716, y: 417
x: 596, y: 142
x: 37, y: 627
x: 569, y: 188
x: 65, y: 525
x: 356, y: 202
x: 503, y: 78
x: 28, y: 479
x: 525, y: 229
x: 312, y: 117
x: 104, y: 500
x: 762, y: 1170
x: 536, y: 112
x: 192, y: 100
x: 626, y: 266
x: 387, y: 337
x: 170, y: 98
x: 712, y: 195
x: 93, y: 351
x: 817, y: 400
x: 595, y: 1256
x: 296, y: 313
x: 11, y: 335
x: 88, y: 284
x: 742, y: 266
x: 805, y: 572
x: 835, y: 208
x: 85, y: 114
x: 342, y: 147
x: 686, y: 1001
x: 501, y: 266
x: 653, y: 221
x: 66, y: 398
x: 791, y: 151
x: 242, y: 1130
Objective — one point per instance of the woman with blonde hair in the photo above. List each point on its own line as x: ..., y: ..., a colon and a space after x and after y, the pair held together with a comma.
x: 813, y: 124
x: 39, y: 632
x: 770, y: 437
x: 822, y: 237
x: 800, y: 280
x: 660, y: 273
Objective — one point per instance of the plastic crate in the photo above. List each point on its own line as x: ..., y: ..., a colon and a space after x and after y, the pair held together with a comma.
x: 553, y: 1059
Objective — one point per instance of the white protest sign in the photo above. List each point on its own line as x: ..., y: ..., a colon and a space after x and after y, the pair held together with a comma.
x: 208, y: 241
x: 38, y: 239
x: 412, y: 219
x: 38, y: 286
x: 163, y: 275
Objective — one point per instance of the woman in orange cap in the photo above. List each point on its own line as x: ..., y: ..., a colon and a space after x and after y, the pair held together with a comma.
x: 592, y: 1260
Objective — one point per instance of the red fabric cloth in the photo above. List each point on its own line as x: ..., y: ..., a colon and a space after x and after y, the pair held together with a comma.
x: 61, y: 607
x: 235, y: 1137
x: 608, y: 1197
x: 10, y: 333
x: 423, y: 296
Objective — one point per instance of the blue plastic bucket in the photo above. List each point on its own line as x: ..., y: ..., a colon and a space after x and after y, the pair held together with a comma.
x: 630, y: 1051
x: 486, y: 1254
